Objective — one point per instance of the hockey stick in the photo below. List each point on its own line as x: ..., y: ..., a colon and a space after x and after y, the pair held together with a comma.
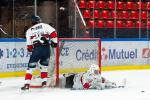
x: 3, y: 31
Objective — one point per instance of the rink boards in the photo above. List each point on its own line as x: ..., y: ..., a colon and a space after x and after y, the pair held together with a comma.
x: 118, y: 54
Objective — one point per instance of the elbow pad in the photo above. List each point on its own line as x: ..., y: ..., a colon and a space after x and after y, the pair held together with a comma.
x: 86, y: 86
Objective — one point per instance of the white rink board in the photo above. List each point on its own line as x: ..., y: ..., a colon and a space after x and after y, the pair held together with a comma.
x: 13, y: 56
x: 125, y: 53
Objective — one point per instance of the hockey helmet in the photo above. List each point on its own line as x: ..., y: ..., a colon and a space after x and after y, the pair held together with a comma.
x: 94, y: 69
x: 35, y: 19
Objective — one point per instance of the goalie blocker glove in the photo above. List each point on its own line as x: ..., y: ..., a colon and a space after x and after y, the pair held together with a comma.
x: 53, y: 44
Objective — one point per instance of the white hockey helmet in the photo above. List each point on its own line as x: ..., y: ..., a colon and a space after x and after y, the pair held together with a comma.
x: 94, y: 69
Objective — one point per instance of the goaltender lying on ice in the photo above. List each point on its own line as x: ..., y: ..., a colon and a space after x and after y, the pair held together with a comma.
x: 91, y: 79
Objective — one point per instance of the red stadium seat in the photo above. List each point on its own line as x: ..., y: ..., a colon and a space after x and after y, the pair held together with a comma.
x: 134, y: 15
x: 110, y: 24
x: 119, y: 24
x: 148, y: 5
x: 91, y: 4
x: 100, y: 4
x: 100, y: 24
x: 105, y: 14
x: 129, y: 5
x: 113, y: 16
x: 120, y: 5
x: 139, y: 24
x: 82, y: 4
x: 124, y: 15
x: 139, y: 5
x: 110, y: 5
x: 129, y: 24
x: 148, y: 24
x: 144, y: 14
x: 86, y: 14
x: 96, y: 14
x: 91, y: 24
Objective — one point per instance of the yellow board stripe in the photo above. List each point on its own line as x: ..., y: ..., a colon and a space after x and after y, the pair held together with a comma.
x: 129, y: 67
x: 16, y: 74
x: 77, y: 70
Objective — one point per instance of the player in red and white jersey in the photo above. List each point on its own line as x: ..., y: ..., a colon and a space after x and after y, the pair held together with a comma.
x: 91, y: 79
x: 39, y: 38
x: 37, y: 31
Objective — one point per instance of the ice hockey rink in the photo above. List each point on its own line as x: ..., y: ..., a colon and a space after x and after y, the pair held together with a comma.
x: 137, y: 88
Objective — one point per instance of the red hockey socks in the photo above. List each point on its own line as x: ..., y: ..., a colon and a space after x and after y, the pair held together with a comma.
x: 44, y: 73
x: 28, y: 75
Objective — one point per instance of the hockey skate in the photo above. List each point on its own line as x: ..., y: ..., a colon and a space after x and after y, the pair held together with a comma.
x: 25, y: 87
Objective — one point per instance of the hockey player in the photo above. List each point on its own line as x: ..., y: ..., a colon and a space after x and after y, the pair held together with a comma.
x: 39, y: 38
x: 91, y: 79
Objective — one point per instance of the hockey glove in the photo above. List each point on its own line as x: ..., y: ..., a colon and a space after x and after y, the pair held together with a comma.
x: 53, y: 44
x: 30, y: 48
x: 43, y: 39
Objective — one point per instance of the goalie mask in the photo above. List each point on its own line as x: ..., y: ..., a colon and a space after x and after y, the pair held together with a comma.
x: 94, y: 69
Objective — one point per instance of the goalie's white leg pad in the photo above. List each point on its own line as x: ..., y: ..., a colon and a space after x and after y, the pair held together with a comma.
x: 51, y: 82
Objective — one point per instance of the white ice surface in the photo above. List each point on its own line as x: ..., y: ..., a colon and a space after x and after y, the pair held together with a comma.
x: 137, y: 81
